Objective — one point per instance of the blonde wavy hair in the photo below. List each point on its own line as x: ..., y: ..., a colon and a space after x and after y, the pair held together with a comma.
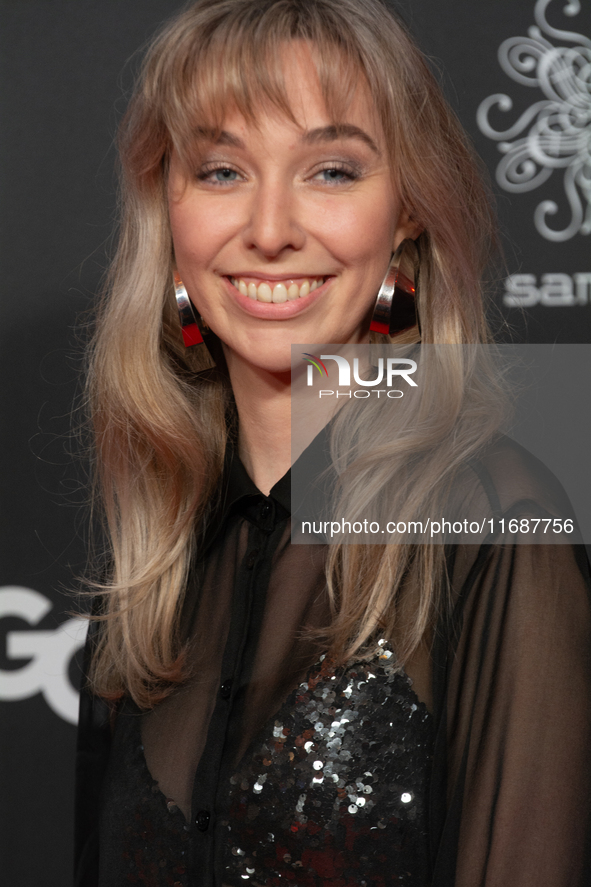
x: 160, y: 425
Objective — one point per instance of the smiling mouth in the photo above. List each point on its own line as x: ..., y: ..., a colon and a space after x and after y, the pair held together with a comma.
x: 276, y: 291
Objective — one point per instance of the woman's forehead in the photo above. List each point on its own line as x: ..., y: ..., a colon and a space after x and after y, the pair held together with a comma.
x: 302, y: 104
x: 298, y: 80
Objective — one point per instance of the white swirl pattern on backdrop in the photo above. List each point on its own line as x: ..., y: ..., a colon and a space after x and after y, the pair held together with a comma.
x: 553, y: 133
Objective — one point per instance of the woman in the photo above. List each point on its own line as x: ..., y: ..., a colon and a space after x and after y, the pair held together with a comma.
x: 257, y: 710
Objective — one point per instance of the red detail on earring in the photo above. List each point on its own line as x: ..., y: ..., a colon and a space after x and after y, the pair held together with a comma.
x: 191, y: 335
x: 377, y: 327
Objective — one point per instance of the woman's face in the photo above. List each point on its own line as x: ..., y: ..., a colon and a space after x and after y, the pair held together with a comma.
x: 284, y: 233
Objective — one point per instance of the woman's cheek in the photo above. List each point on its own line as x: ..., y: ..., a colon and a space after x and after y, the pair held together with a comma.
x: 359, y: 233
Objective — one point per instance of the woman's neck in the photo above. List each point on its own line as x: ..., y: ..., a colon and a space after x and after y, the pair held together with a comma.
x: 263, y: 403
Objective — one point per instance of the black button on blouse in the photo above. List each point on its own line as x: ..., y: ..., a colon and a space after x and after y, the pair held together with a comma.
x: 226, y: 689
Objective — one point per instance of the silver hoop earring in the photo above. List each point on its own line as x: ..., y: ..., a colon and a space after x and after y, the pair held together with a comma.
x: 193, y: 327
x: 189, y: 327
x: 396, y: 304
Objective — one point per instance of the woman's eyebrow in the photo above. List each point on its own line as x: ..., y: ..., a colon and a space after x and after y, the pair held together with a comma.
x: 329, y: 133
x: 343, y: 131
x: 218, y: 137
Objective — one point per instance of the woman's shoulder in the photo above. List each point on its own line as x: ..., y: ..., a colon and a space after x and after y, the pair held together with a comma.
x: 517, y: 476
x: 526, y: 542
x: 505, y: 481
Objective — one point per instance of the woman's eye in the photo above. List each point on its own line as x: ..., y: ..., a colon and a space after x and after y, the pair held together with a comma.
x: 336, y: 175
x: 220, y: 175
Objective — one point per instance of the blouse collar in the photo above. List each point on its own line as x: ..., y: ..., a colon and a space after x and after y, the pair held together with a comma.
x: 239, y: 494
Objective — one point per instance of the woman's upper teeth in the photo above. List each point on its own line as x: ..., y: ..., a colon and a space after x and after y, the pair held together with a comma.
x: 276, y: 291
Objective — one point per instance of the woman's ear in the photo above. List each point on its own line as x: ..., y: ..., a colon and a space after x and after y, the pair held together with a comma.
x: 407, y: 227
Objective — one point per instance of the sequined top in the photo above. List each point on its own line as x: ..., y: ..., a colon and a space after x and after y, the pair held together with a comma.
x: 272, y: 766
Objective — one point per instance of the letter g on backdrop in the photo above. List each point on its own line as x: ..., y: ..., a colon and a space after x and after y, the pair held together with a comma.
x: 50, y: 653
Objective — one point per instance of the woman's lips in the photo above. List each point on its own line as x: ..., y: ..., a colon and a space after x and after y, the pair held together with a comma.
x: 276, y: 302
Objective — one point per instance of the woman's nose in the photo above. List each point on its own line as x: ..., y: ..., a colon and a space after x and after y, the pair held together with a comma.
x: 274, y: 224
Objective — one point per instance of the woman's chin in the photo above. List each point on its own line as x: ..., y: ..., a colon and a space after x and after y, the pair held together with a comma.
x: 273, y: 358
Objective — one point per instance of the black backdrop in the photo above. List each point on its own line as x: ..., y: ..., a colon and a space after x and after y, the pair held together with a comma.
x: 66, y: 68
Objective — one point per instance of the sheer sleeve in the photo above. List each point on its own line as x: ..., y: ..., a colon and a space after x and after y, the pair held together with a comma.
x: 511, y: 792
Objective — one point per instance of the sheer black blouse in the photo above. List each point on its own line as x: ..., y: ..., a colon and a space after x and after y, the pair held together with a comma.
x: 272, y: 766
